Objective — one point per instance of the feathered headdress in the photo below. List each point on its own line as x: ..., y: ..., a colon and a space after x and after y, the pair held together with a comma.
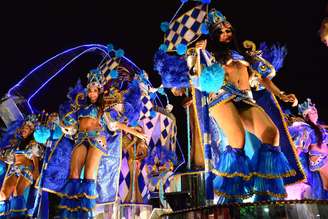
x: 305, y: 107
x: 31, y: 121
x: 216, y: 20
x: 95, y: 78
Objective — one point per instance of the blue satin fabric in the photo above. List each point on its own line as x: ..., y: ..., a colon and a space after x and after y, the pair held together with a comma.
x: 108, y: 171
x: 265, y: 100
x: 204, y: 122
x: 18, y: 206
x: 58, y: 168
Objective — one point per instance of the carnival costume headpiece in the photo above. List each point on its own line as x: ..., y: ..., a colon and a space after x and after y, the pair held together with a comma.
x: 31, y: 121
x: 95, y: 78
x: 306, y: 107
x: 216, y: 20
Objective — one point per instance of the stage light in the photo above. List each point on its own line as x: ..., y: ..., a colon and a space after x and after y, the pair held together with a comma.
x: 49, y: 60
x: 60, y: 70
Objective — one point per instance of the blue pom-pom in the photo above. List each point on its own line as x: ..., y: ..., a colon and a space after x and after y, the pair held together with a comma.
x: 183, y: 1
x: 181, y: 48
x: 152, y: 113
x: 57, y: 133
x: 163, y: 47
x: 161, y: 90
x: 206, y: 1
x: 41, y: 134
x: 211, y: 78
x: 113, y: 74
x: 119, y: 53
x: 110, y: 47
x: 165, y: 26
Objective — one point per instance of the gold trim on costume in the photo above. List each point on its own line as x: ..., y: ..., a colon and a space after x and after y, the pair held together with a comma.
x: 232, y: 196
x: 271, y: 176
x: 53, y: 150
x: 232, y: 175
x: 290, y: 141
x: 271, y: 194
x: 75, y: 209
x: 20, y: 210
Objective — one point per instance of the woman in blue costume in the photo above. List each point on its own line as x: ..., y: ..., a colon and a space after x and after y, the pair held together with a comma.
x: 23, y: 157
x: 311, y: 140
x: 234, y: 110
x: 96, y: 128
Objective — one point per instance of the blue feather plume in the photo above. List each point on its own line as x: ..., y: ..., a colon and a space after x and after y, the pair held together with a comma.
x: 41, y: 134
x: 132, y: 102
x: 173, y: 70
x: 275, y: 54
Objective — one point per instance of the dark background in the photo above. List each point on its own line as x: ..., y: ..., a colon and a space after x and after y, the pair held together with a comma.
x: 33, y: 31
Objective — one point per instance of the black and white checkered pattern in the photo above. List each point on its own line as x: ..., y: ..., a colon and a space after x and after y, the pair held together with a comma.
x: 186, y: 28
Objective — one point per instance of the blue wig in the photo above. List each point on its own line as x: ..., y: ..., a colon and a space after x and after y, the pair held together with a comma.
x: 173, y: 70
x: 275, y: 54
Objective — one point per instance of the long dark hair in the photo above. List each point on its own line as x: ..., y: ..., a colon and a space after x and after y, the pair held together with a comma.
x: 25, y: 141
x: 221, y: 51
x: 99, y: 103
x: 317, y: 130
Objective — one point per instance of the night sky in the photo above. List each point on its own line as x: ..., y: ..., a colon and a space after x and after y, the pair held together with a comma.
x: 31, y: 32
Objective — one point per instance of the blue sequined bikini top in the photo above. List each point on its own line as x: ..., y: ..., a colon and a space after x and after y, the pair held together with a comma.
x: 90, y: 111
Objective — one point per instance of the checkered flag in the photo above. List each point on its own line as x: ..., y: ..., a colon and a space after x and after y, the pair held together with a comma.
x: 109, y: 65
x: 187, y: 28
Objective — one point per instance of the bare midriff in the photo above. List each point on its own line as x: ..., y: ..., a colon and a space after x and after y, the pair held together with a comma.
x: 21, y: 159
x: 89, y: 124
x: 237, y: 74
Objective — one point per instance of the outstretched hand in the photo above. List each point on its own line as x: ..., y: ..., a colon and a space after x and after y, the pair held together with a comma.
x: 289, y: 98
